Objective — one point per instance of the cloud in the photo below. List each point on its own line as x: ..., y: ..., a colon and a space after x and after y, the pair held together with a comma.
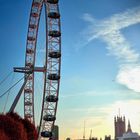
x: 130, y: 77
x: 97, y: 94
x: 120, y: 48
x: 87, y: 17
x: 114, y: 23
x: 109, y: 30
x: 91, y: 93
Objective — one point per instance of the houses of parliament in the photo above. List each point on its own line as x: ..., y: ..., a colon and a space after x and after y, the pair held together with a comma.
x: 121, y: 132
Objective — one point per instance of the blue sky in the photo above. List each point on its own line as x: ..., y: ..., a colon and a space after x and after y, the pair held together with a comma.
x: 100, y: 61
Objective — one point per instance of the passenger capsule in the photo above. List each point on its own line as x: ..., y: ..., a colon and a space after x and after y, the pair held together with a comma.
x: 51, y: 98
x: 31, y: 38
x: 55, y: 54
x: 53, y: 76
x: 54, y: 33
x: 36, y: 4
x: 49, y: 118
x: 32, y: 26
x: 34, y: 15
x: 28, y: 103
x: 52, y: 1
x: 29, y: 51
x: 28, y: 90
x: 53, y: 15
x: 46, y: 134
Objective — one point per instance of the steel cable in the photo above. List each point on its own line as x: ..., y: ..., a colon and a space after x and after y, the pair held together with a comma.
x: 8, y: 94
x: 11, y: 87
x: 1, y: 82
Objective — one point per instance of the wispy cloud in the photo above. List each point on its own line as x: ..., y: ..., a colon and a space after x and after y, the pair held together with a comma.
x: 109, y: 30
x: 87, y: 17
x: 92, y: 93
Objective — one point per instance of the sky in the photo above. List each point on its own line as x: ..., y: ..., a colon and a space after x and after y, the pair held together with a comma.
x: 100, y: 70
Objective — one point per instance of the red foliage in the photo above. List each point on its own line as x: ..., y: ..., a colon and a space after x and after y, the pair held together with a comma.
x: 3, y: 135
x: 15, y: 116
x: 30, y: 129
x: 15, y: 128
x: 12, y: 128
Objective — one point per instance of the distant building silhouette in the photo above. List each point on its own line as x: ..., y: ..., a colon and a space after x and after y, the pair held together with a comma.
x: 56, y: 132
x: 129, y: 127
x: 107, y: 137
x: 68, y: 139
x: 119, y: 123
x: 93, y: 138
x: 129, y: 135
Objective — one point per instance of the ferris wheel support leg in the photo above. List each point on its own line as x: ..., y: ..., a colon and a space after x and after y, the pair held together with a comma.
x: 18, y: 95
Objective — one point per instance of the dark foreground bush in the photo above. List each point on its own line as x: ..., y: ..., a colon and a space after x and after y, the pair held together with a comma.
x: 13, y: 127
x: 30, y: 129
x: 3, y: 136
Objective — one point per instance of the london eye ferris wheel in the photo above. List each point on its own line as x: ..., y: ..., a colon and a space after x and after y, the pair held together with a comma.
x: 51, y: 68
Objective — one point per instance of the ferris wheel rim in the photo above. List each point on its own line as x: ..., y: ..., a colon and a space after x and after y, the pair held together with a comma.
x: 31, y: 55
